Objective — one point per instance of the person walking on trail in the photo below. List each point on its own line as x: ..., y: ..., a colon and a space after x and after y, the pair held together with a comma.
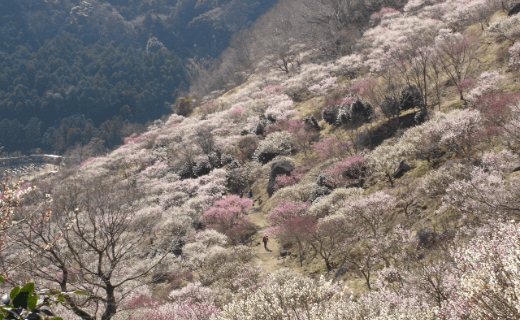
x: 265, y: 239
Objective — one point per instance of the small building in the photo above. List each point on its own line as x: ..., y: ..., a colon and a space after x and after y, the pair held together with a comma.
x: 45, y: 158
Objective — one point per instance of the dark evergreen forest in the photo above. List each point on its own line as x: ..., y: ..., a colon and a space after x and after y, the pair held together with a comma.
x: 78, y: 72
x: 65, y: 79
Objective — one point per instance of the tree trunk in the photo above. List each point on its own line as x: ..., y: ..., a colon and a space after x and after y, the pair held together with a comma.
x: 111, y: 306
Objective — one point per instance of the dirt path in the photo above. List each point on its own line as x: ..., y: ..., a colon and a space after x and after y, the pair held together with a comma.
x: 268, y: 260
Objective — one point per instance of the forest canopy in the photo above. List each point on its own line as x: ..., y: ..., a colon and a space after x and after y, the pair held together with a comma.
x: 103, y: 61
x: 66, y: 79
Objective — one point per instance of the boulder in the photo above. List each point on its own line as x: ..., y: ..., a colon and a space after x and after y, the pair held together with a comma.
x: 355, y: 172
x: 258, y: 129
x: 6, y: 298
x: 198, y: 225
x: 233, y: 165
x: 215, y: 159
x: 426, y: 237
x: 284, y: 250
x: 226, y: 158
x: 449, y: 163
x: 312, y: 123
x: 278, y: 168
x: 400, y: 168
x: 343, y: 268
x: 330, y: 114
x: 265, y: 157
x: 271, y: 118
x: 363, y: 139
x: 324, y: 186
x: 356, y: 184
x: 314, y: 201
x: 515, y: 167
x: 264, y: 122
x: 186, y: 170
x: 514, y: 10
x: 202, y: 167
x: 324, y: 180
x: 318, y: 192
x: 176, y: 247
x: 477, y: 163
x: 420, y: 117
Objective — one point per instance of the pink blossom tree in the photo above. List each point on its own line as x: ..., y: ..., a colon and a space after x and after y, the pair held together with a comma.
x: 228, y: 216
x: 331, y: 148
x: 350, y: 168
x: 291, y: 225
x: 193, y: 302
x: 367, y: 88
x: 499, y: 115
x: 284, y: 180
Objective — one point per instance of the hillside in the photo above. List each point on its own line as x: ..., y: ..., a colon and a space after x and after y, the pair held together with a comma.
x: 88, y: 73
x: 385, y: 175
x: 190, y: 28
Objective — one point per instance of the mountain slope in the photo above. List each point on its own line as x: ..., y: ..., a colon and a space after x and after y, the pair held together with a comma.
x: 396, y: 194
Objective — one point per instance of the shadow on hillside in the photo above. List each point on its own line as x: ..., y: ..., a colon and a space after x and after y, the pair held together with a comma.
x: 375, y: 136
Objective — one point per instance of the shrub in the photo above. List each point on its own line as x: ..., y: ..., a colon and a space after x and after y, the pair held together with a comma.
x: 410, y: 97
x: 355, y: 114
x: 330, y: 114
x: 390, y: 107
x: 289, y: 295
